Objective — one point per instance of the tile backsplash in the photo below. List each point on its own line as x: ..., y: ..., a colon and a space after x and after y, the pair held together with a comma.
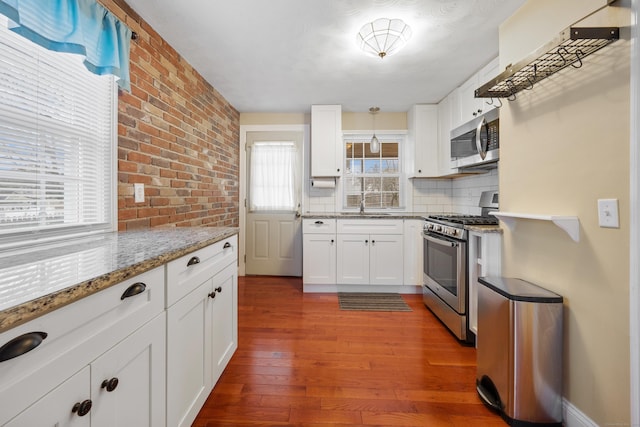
x: 458, y: 195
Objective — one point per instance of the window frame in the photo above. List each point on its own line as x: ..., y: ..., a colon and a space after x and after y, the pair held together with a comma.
x: 13, y: 240
x: 391, y: 136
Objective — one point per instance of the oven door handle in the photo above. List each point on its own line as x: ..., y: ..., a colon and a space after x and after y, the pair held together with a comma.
x: 440, y: 241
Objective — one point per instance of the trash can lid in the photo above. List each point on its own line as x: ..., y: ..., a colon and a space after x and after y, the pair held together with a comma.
x: 519, y: 290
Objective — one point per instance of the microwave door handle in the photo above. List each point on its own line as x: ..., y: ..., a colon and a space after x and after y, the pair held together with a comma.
x: 440, y: 241
x: 482, y: 150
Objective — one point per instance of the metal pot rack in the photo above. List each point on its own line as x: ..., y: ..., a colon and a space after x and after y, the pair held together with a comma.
x: 567, y: 49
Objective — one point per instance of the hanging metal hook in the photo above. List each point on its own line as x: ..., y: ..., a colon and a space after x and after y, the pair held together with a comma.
x: 530, y: 83
x: 491, y: 103
x: 579, y: 60
x: 512, y: 89
x: 559, y: 52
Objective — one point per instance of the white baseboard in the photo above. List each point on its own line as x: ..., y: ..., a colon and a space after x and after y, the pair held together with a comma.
x: 573, y: 417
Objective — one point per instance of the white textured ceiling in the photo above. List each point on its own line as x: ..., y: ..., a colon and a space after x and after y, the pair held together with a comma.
x: 285, y: 55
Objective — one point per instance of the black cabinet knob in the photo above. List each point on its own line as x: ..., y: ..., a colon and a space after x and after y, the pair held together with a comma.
x: 218, y: 289
x: 82, y: 408
x: 211, y: 295
x: 110, y: 385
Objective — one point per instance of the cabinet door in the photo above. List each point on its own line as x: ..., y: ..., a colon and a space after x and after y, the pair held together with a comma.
x: 137, y: 364
x: 224, y: 319
x: 188, y: 355
x: 444, y: 135
x: 423, y: 135
x: 55, y: 408
x: 353, y: 259
x: 469, y: 104
x: 386, y: 261
x: 319, y: 259
x: 326, y: 140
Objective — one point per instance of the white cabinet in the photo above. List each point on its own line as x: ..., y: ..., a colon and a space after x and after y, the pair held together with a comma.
x: 370, y: 252
x: 201, y: 331
x: 319, y: 251
x: 55, y: 408
x: 326, y: 140
x: 484, y: 260
x: 128, y: 382
x: 116, y: 335
x: 413, y: 252
x: 468, y: 106
x: 422, y: 121
x: 444, y: 135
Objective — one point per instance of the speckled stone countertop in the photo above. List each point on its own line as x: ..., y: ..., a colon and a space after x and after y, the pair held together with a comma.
x: 366, y: 215
x: 36, y: 282
x: 484, y: 228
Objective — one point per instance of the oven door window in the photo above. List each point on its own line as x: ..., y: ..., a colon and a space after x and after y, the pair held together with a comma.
x: 441, y: 264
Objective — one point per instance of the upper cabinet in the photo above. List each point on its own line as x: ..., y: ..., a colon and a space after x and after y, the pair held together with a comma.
x: 326, y: 140
x: 468, y: 106
x: 445, y: 108
x: 422, y: 121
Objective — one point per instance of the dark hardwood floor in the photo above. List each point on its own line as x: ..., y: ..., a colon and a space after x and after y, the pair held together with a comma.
x: 301, y: 361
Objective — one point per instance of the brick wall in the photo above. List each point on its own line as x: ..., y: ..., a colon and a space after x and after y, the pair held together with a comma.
x: 177, y: 135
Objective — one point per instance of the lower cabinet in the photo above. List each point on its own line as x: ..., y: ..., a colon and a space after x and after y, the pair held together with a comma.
x: 319, y: 251
x: 121, y: 357
x: 123, y: 387
x: 201, y: 338
x: 370, y: 259
x: 484, y: 260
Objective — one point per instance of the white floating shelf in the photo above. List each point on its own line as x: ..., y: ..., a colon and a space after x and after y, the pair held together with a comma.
x: 570, y: 224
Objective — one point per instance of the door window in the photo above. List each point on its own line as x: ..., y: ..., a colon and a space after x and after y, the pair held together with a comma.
x: 272, y: 176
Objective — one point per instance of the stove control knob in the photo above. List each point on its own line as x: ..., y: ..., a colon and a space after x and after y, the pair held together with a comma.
x: 437, y: 228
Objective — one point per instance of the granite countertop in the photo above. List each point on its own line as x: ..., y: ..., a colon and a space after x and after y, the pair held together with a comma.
x: 366, y: 215
x: 35, y: 282
x: 484, y: 228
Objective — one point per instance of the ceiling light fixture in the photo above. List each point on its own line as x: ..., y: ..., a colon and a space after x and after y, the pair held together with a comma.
x: 383, y: 36
x: 374, y: 145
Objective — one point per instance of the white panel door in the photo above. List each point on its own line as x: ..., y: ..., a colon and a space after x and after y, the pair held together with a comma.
x: 274, y: 236
x: 386, y: 261
x: 224, y: 321
x: 55, y: 408
x: 137, y: 364
x: 188, y: 356
x: 353, y: 259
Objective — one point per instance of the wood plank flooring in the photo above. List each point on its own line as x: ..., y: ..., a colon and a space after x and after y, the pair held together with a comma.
x: 303, y: 362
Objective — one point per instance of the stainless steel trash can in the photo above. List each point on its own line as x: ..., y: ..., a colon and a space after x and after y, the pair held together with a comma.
x: 519, y: 351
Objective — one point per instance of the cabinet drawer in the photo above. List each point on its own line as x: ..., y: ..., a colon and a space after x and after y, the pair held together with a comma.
x: 75, y: 335
x: 319, y: 225
x: 187, y: 273
x: 370, y: 226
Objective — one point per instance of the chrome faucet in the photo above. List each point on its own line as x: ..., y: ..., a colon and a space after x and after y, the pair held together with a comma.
x: 362, y: 205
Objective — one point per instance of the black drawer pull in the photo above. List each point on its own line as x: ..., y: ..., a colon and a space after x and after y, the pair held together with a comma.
x: 83, y: 408
x: 319, y: 222
x: 21, y: 345
x: 135, y: 289
x: 226, y: 245
x: 110, y: 385
x: 193, y: 261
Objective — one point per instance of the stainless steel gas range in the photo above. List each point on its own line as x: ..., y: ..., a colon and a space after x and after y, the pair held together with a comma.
x: 445, y: 279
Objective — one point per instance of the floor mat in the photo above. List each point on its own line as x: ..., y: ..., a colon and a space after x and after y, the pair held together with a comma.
x: 371, y: 302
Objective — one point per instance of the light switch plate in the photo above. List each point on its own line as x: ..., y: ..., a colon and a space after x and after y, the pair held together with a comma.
x: 138, y: 191
x: 608, y: 213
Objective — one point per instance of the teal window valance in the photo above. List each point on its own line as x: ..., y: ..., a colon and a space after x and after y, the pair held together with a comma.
x: 75, y: 26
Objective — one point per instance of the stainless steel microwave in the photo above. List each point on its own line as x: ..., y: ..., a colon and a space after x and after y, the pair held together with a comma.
x: 476, y: 143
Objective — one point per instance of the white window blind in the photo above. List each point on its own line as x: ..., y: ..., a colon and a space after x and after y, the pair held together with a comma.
x: 57, y: 143
x: 272, y: 176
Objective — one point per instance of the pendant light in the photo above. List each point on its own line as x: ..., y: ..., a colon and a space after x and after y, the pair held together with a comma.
x: 374, y: 146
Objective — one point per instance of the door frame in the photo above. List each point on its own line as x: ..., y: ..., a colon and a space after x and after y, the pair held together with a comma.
x: 304, y: 128
x: 634, y: 246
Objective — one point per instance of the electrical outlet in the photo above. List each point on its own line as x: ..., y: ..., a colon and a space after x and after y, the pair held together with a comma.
x: 608, y: 213
x: 138, y: 191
